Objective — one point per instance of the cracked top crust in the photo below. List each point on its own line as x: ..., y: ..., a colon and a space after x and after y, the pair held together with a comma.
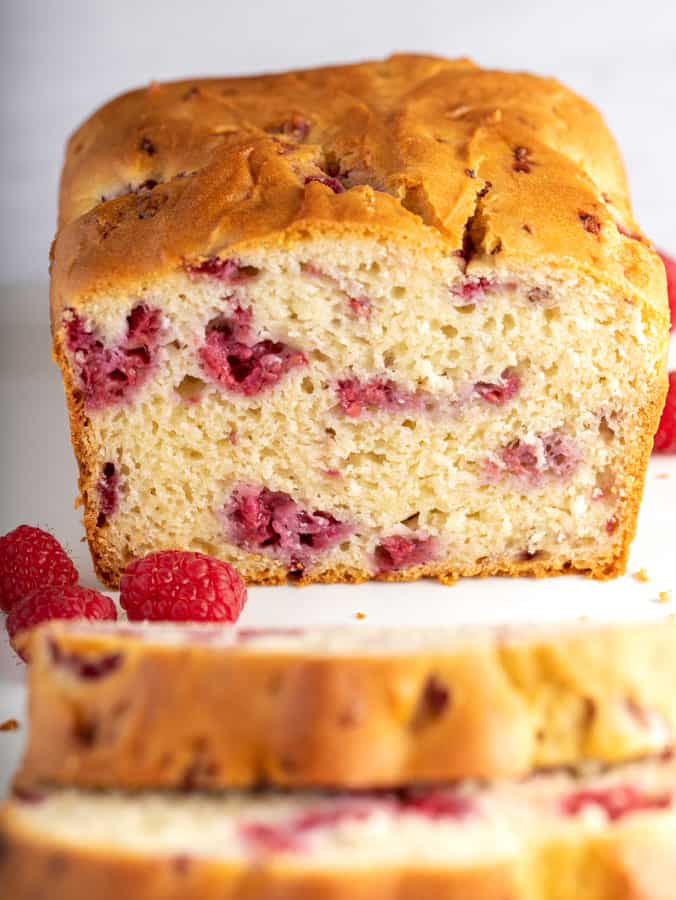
x: 438, y: 153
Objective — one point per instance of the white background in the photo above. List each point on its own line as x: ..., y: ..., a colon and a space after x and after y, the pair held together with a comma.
x: 59, y: 59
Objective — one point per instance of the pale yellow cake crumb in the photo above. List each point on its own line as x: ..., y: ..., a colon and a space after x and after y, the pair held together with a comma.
x: 641, y: 576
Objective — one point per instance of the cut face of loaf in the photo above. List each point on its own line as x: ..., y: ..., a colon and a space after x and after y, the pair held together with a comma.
x: 320, y: 371
x: 452, y: 424
x: 357, y: 708
x: 521, y: 841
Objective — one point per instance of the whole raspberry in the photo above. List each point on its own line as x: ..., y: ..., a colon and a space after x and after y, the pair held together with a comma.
x: 68, y: 601
x: 670, y: 266
x: 31, y: 558
x: 179, y: 586
x: 665, y: 439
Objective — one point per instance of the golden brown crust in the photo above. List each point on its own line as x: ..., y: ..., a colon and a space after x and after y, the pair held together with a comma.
x: 487, y: 705
x: 635, y: 863
x: 420, y: 137
x: 433, y: 152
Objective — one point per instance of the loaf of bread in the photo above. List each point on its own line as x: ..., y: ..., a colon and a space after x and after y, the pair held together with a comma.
x: 557, y: 836
x: 131, y: 707
x: 385, y: 320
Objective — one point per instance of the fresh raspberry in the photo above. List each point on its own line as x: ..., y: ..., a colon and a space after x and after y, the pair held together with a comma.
x: 31, y: 558
x: 665, y: 439
x: 179, y: 586
x: 670, y: 266
x: 57, y: 602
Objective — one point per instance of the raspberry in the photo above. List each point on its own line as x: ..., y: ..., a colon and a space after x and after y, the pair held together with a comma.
x: 336, y: 186
x: 261, y: 519
x: 230, y: 271
x: 110, y: 375
x: 500, y: 392
x: 665, y: 439
x: 107, y: 487
x: 356, y: 397
x: 618, y: 801
x: 180, y: 586
x: 670, y: 266
x: 241, y: 364
x: 68, y: 601
x: 398, y: 552
x: 31, y: 558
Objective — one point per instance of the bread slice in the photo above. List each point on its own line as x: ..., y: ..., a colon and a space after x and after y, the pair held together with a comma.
x: 129, y: 707
x: 375, y: 321
x: 601, y: 836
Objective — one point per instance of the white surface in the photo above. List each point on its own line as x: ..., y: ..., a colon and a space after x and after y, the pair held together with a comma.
x: 38, y: 485
x: 61, y: 60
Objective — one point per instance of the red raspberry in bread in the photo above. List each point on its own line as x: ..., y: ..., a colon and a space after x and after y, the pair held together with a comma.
x: 56, y: 602
x: 31, y: 558
x: 618, y: 801
x: 180, y: 586
x: 670, y: 266
x: 665, y: 439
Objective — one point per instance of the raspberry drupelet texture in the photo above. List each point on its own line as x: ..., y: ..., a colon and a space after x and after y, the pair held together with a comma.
x: 31, y: 558
x: 182, y: 586
x: 109, y: 375
x: 238, y: 362
x: 665, y: 439
x: 69, y: 601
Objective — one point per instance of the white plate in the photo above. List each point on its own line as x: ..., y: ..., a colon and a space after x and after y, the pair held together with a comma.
x: 38, y: 484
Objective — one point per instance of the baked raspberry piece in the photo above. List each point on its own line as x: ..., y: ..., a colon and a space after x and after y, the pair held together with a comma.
x: 229, y: 271
x: 109, y: 375
x: 665, y: 439
x: 261, y: 519
x: 500, y: 392
x: 438, y: 804
x: 333, y: 183
x: 534, y: 461
x: 400, y: 552
x: 670, y: 267
x: 238, y: 362
x: 356, y: 397
x: 107, y: 488
x: 31, y: 558
x: 182, y: 586
x: 617, y: 802
x: 56, y: 602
